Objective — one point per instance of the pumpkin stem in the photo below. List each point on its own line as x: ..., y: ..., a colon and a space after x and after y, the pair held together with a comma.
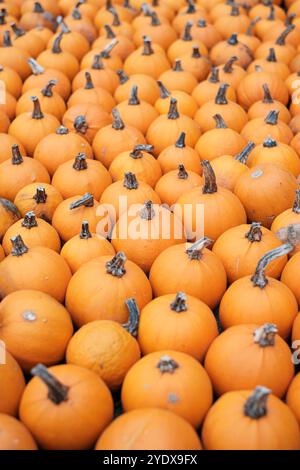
x: 256, y: 405
x: 289, y: 19
x: 87, y: 200
x: 214, y: 75
x: 18, y: 31
x: 221, y: 95
x: 109, y: 32
x: 210, y: 184
x: 76, y: 15
x: 296, y: 205
x: 133, y: 97
x: 64, y: 27
x: 187, y: 32
x: 88, y: 81
x: 139, y: 148
x: 271, y: 16
x: 179, y: 304
x: 255, y: 233
x: 134, y: 315
x: 38, y: 8
x: 145, y: 9
x: 280, y: 41
x: 265, y: 335
x: 116, y: 20
x: 195, y: 251
x: 3, y: 14
x: 18, y: 246
x: 167, y: 365
x: 17, y: 158
x: 130, y: 181
x: 201, y: 23
x: 40, y: 196
x: 47, y: 90
x: 235, y: 11
x: 272, y: 118
x: 37, y: 112
x: 117, y: 123
x: 196, y: 53
x: 180, y: 142
x: 62, y: 130
x: 57, y: 392
x: 35, y: 67
x: 80, y: 162
x: 147, y: 211
x: 267, y: 94
x: 233, y: 40
x: 105, y: 53
x: 177, y: 67
x: 163, y: 92
x: 80, y: 124
x: 272, y: 55
x: 182, y: 173
x: 228, y: 67
x: 85, y: 233
x: 259, y: 278
x: 122, y: 76
x: 147, y: 50
x: 155, y: 21
x: 56, y: 49
x: 242, y: 157
x: 6, y: 39
x: 191, y: 7
x: 29, y: 220
x: 249, y: 31
x: 97, y: 62
x: 173, y: 111
x: 220, y: 123
x: 269, y: 142
x: 115, y: 267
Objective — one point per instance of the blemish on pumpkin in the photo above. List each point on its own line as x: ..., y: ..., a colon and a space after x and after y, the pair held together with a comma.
x: 257, y: 174
x: 172, y: 398
x: 28, y: 315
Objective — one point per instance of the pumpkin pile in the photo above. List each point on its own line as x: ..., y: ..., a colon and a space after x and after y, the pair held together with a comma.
x: 115, y: 115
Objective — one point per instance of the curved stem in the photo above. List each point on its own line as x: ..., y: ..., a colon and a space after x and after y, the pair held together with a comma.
x: 139, y: 148
x: 249, y: 31
x: 242, y: 157
x: 265, y: 335
x: 182, y: 173
x: 220, y: 123
x: 87, y: 200
x: 18, y: 246
x: 16, y: 158
x: 48, y: 89
x: 173, y: 111
x: 134, y: 315
x: 37, y: 112
x: 267, y: 94
x: 85, y: 233
x: 290, y: 18
x: 280, y: 41
x: 255, y: 233
x: 116, y: 266
x: 256, y: 405
x: 296, y: 205
x: 221, y: 95
x: 272, y: 55
x: 122, y: 76
x: 272, y: 118
x: 210, y: 184
x: 56, y: 49
x: 57, y: 392
x: 194, y: 252
x: 147, y: 211
x: 116, y: 20
x: 88, y: 81
x: 147, y: 50
x: 130, y: 181
x: 179, y: 303
x: 80, y: 162
x: 271, y: 16
x: 133, y: 97
x: 29, y: 220
x: 117, y: 123
x: 18, y: 31
x: 35, y: 67
x: 80, y: 124
x: 163, y: 92
x: 269, y: 142
x: 105, y: 53
x: 259, y: 278
x: 228, y: 67
x: 167, y: 365
x: 40, y: 196
x: 109, y: 32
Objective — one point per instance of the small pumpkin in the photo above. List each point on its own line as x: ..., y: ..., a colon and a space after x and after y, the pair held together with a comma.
x: 191, y: 12
x: 37, y: 16
x: 27, y: 41
x: 205, y: 32
x: 177, y: 154
x: 284, y: 52
x: 292, y: 397
x: 147, y: 86
x: 260, y: 128
x: 92, y: 95
x: 35, y: 327
x: 185, y: 44
x: 81, y: 23
x: 249, y: 37
x: 248, y: 94
x: 159, y: 32
x: 118, y: 25
x: 123, y: 48
x: 196, y: 63
x: 86, y: 119
x: 101, y: 77
x: 99, y: 289
x: 260, y: 108
x: 271, y: 65
x: 14, y: 435
x: 236, y: 20
x: 224, y: 50
x: 104, y: 14
x: 12, y: 385
x: 41, y: 198
x: 114, y: 352
x: 231, y: 72
x: 9, y: 214
x: 207, y: 89
x: 175, y: 183
x: 71, y: 387
x: 147, y: 59
x: 12, y: 80
x: 45, y: 270
x: 13, y: 57
x: 71, y: 41
x: 113, y: 62
x: 263, y: 10
x: 186, y: 104
x: 179, y: 79
x: 34, y: 232
x: 6, y: 143
x: 84, y: 247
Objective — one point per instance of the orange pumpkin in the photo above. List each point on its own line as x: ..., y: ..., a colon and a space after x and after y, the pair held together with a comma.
x: 185, y: 102
x: 14, y: 435
x: 102, y: 77
x: 207, y: 89
x: 178, y: 78
x: 175, y: 183
x: 224, y: 50
x: 184, y: 45
x: 261, y: 108
x: 71, y: 41
x: 260, y: 128
x: 206, y: 33
x: 12, y: 80
x: 284, y: 52
x: 196, y: 63
x: 123, y: 48
x: 86, y: 119
x: 41, y: 198
x: 59, y: 59
x: 248, y: 94
x: 12, y: 385
x: 148, y: 59
x: 158, y: 31
x: 292, y: 397
x: 231, y: 72
x: 270, y: 64
x: 9, y: 214
x: 177, y: 154
x: 92, y: 95
x: 13, y: 57
x: 147, y: 86
x: 27, y: 41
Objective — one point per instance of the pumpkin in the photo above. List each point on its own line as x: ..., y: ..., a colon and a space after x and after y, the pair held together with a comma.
x: 27, y: 41
x: 260, y: 128
x: 48, y: 5
x: 37, y: 17
x: 219, y: 141
x: 263, y: 10
x: 206, y: 33
x: 248, y: 37
x: 277, y: 153
x: 12, y: 385
x: 202, y: 268
x: 265, y: 192
x: 260, y: 108
x: 84, y: 247
x: 34, y: 327
x: 149, y: 428
x: 9, y: 214
x: 175, y: 183
x: 185, y: 44
x: 214, y: 200
x: 114, y: 351
x: 92, y: 95
x: 224, y: 50
x: 191, y: 12
x: 207, y: 89
x: 86, y: 119
x: 70, y: 213
x: 240, y: 248
x: 158, y: 31
x: 244, y: 356
x: 51, y: 102
x: 270, y: 64
x: 31, y: 127
x: 177, y: 154
x: 233, y: 114
x: 43, y: 32
x: 248, y: 94
x: 186, y: 104
x: 119, y: 26
x: 231, y: 73
x: 71, y: 41
x: 21, y: 170
x: 13, y: 57
x: 80, y: 176
x: 270, y: 297
x: 41, y: 198
x: 62, y: 145
x: 220, y: 8
x: 123, y: 48
x: 173, y: 381
x: 250, y: 420
x: 287, y: 217
x: 165, y: 129
x: 147, y: 59
x: 34, y: 231
x: 123, y: 136
x: 72, y: 387
x: 12, y: 80
x: 177, y: 322
x: 158, y: 229
x: 104, y: 14
x: 98, y: 290
x: 284, y: 52
x: 81, y: 24
x: 234, y: 21
x: 138, y: 161
x: 101, y: 77
x: 136, y: 113
x: 112, y: 62
x: 147, y: 86
x: 14, y: 435
x: 6, y: 142
x: 179, y: 79
x: 40, y: 78
x: 290, y: 275
x: 196, y: 63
